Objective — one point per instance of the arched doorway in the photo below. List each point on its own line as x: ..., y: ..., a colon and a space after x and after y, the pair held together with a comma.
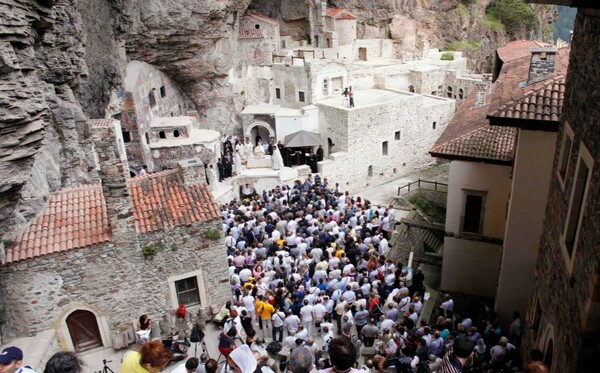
x: 259, y: 129
x: 549, y: 353
x: 84, y: 331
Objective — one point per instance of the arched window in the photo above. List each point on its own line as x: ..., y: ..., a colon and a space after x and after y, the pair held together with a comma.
x: 161, y: 134
x: 152, y: 98
x: 411, y: 88
x: 449, y: 92
x: 461, y: 94
x: 176, y: 133
x: 257, y: 26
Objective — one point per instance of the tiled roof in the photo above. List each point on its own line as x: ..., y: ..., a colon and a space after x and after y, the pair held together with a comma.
x: 469, y: 136
x: 251, y: 33
x: 339, y: 13
x: 77, y: 217
x: 74, y: 218
x: 162, y: 201
x: 100, y: 123
x: 262, y: 17
x: 519, y: 49
x: 544, y: 103
x: 511, y: 83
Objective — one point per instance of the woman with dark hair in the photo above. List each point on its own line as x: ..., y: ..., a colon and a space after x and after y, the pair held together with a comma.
x: 144, y: 325
x: 152, y: 357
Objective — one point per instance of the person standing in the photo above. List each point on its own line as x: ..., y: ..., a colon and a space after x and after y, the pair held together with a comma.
x: 277, y: 159
x: 212, y: 178
x: 351, y: 96
x: 221, y: 168
x: 278, y: 319
x: 265, y: 312
x: 11, y: 361
x: 320, y: 153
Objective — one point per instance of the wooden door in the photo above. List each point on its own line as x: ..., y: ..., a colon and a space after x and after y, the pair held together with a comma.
x: 362, y: 54
x: 84, y: 331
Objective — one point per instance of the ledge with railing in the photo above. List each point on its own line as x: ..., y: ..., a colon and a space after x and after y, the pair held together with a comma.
x: 425, y: 184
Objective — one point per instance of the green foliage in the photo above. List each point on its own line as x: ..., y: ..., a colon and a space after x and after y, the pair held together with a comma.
x: 213, y: 234
x: 564, y: 23
x: 462, y: 45
x: 491, y: 21
x: 151, y: 249
x: 447, y: 57
x: 514, y: 14
x: 436, y: 213
x: 467, y: 2
x: 462, y: 10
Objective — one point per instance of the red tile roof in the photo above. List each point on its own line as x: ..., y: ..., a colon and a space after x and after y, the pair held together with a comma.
x: 262, y: 17
x: 339, y: 13
x: 251, y: 33
x: 469, y: 136
x: 162, y: 201
x: 545, y: 103
x: 74, y: 218
x: 77, y: 217
x: 518, y: 49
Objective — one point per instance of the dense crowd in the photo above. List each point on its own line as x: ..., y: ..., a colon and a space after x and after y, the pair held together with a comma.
x: 309, y: 265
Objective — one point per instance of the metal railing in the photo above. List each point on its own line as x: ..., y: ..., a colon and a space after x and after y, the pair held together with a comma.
x: 425, y: 184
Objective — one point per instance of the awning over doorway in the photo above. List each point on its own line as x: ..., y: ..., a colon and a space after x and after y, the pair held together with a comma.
x: 302, y: 138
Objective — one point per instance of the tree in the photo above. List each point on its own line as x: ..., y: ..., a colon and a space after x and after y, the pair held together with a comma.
x: 514, y: 14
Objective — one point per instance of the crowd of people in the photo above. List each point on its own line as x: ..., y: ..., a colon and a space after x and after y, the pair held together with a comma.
x: 309, y: 265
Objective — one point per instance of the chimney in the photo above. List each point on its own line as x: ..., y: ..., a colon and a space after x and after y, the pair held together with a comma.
x: 192, y: 171
x: 482, y: 89
x: 114, y: 172
x: 541, y: 66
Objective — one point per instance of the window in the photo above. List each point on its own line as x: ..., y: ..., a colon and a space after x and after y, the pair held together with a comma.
x: 370, y: 171
x: 411, y: 88
x: 472, y: 219
x: 147, y: 138
x: 151, y: 98
x: 325, y: 87
x: 565, y: 154
x: 176, y: 133
x: 283, y: 44
x: 187, y: 291
x: 163, y: 92
x: 278, y: 93
x: 434, y: 125
x: 257, y: 26
x: 126, y: 136
x: 384, y: 148
x: 449, y: 92
x: 161, y: 134
x: 397, y: 135
x: 576, y: 210
x: 461, y: 94
x: 301, y: 96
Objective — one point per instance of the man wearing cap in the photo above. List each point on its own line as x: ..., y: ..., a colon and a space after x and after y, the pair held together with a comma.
x: 11, y: 361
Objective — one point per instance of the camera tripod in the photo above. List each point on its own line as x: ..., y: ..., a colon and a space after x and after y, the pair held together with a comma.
x: 106, y: 369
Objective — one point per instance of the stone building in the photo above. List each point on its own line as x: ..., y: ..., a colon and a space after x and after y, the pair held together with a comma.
x: 173, y: 139
x: 259, y: 37
x: 101, y: 255
x: 500, y: 144
x: 563, y: 319
x: 148, y: 93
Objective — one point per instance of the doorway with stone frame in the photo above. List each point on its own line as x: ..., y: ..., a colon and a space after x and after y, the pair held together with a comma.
x: 84, y: 331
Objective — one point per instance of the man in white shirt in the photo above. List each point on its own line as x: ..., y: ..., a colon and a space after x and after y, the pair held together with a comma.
x: 278, y: 320
x: 306, y: 315
x: 291, y: 323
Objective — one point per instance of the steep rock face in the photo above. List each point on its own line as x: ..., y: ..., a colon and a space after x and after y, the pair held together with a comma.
x: 194, y: 43
x: 41, y: 49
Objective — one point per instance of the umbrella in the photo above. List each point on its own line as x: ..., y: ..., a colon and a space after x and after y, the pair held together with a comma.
x: 302, y: 138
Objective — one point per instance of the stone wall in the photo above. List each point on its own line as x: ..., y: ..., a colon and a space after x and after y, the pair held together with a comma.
x: 359, y: 134
x: 566, y: 299
x: 117, y: 282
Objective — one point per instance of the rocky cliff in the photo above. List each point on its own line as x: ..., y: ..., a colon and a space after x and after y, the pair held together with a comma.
x: 60, y: 60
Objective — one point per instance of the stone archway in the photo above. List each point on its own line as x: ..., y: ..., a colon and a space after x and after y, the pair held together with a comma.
x: 258, y: 125
x: 98, y: 330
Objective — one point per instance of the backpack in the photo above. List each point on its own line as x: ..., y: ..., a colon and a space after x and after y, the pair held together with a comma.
x: 274, y: 347
x: 197, y: 335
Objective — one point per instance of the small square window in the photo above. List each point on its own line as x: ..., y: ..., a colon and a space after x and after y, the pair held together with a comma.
x: 126, y: 136
x: 301, y: 96
x: 397, y: 135
x: 278, y: 93
x: 187, y: 291
x: 163, y: 92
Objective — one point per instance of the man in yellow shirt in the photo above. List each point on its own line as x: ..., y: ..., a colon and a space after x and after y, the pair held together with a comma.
x: 265, y: 311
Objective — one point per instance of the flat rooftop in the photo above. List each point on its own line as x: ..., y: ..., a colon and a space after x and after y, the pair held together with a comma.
x: 182, y: 121
x: 368, y: 97
x: 196, y: 137
x: 261, y: 109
